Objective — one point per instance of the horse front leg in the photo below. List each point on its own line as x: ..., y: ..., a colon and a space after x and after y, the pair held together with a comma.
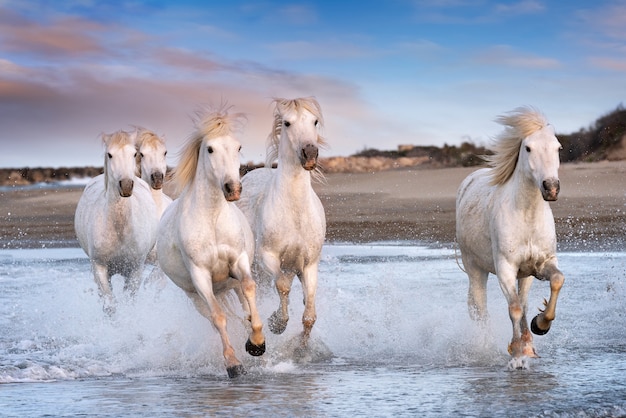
x: 540, y: 324
x: 255, y: 346
x: 309, y: 287
x: 523, y: 288
x: 519, y: 347
x: 278, y: 320
x: 205, y: 302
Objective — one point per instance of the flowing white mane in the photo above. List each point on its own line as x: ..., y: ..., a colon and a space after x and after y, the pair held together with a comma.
x: 519, y: 124
x: 208, y: 124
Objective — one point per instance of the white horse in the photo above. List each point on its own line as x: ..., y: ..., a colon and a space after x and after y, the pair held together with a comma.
x: 152, y: 168
x: 286, y: 215
x: 205, y: 245
x: 152, y: 165
x: 504, y: 225
x: 116, y: 219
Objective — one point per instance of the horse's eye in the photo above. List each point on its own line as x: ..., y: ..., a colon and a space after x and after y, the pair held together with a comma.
x: 165, y: 153
x: 239, y: 150
x: 210, y: 149
x: 287, y: 124
x: 109, y: 155
x: 527, y: 148
x: 316, y: 122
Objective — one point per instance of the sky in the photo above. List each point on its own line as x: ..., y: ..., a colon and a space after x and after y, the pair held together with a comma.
x: 386, y: 72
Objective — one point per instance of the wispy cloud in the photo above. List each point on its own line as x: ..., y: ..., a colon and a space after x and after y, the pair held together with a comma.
x: 608, y: 21
x: 507, y: 56
x: 520, y: 8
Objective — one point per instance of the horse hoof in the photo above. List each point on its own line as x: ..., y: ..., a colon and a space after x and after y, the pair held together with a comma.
x: 276, y: 324
x: 255, y: 350
x: 235, y: 371
x: 535, y: 328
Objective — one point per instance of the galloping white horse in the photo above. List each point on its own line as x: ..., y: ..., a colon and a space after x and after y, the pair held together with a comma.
x: 504, y: 225
x: 152, y: 165
x: 286, y: 216
x: 116, y: 219
x: 205, y: 245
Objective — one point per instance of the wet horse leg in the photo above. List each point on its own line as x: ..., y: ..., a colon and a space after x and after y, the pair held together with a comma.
x: 477, y: 291
x: 133, y: 280
x: 309, y: 287
x: 103, y: 280
x: 540, y: 324
x: 278, y: 320
x: 507, y: 279
x: 523, y: 288
x: 205, y: 302
x: 246, y: 292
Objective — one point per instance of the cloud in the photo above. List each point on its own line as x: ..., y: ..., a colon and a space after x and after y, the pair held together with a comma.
x: 608, y: 21
x: 609, y: 63
x: 76, y: 85
x: 300, y: 50
x: 504, y: 55
x: 62, y: 37
x: 520, y: 8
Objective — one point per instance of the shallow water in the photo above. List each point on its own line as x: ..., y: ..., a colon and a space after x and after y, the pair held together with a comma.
x: 393, y: 337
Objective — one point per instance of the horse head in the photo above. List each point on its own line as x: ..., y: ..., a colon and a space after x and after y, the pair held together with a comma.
x: 539, y: 158
x: 119, y: 162
x: 153, y: 163
x: 220, y: 158
x: 295, y: 135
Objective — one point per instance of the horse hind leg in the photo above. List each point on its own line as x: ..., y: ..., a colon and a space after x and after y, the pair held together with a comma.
x: 477, y: 292
x: 132, y: 281
x: 103, y: 280
x: 541, y: 323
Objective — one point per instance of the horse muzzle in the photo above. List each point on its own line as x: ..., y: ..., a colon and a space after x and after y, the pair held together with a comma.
x: 126, y: 187
x: 550, y: 189
x: 156, y: 180
x: 308, y: 157
x: 232, y: 190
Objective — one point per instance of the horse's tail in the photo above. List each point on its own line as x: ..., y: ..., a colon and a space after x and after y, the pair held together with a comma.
x: 456, y: 257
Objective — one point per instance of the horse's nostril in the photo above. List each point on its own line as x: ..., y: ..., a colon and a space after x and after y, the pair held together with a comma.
x: 309, y: 151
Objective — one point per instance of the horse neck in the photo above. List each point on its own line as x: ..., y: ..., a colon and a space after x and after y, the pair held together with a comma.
x: 524, y: 193
x: 203, y: 199
x: 292, y: 178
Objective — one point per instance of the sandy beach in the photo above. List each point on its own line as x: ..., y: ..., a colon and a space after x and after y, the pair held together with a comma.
x: 407, y: 204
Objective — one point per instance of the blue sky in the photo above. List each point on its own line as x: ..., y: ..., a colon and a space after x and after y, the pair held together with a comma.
x: 423, y: 72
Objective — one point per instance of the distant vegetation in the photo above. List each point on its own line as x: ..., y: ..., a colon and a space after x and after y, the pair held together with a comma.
x: 604, y: 139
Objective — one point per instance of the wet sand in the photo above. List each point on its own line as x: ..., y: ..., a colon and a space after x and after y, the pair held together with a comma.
x: 409, y: 205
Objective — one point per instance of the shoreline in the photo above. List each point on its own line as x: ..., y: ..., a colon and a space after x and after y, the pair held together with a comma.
x: 403, y: 205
